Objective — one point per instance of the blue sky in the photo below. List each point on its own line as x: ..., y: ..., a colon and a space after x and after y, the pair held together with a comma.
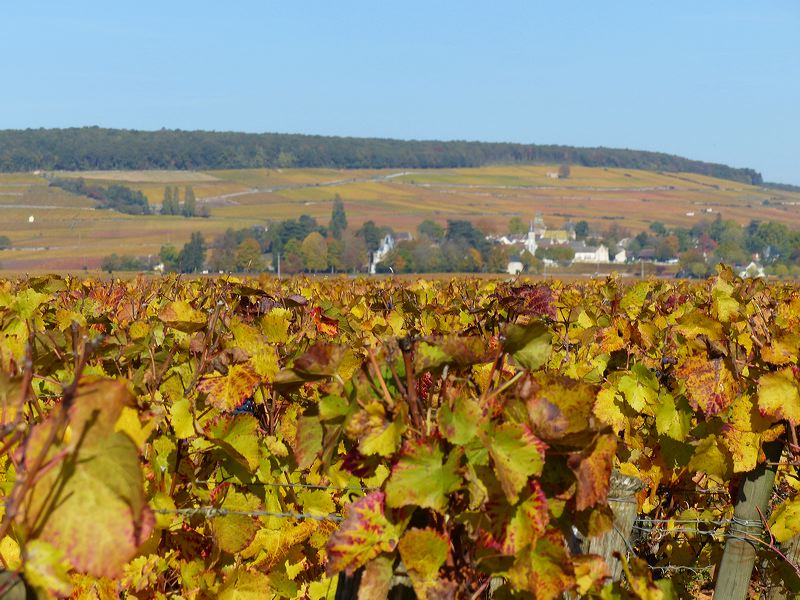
x: 712, y: 80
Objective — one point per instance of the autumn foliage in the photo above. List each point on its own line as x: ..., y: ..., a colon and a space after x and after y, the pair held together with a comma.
x: 226, y: 438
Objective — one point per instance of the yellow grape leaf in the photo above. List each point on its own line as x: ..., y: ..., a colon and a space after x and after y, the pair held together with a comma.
x: 779, y: 396
x: 275, y: 325
x: 9, y: 550
x: 46, y: 570
x: 245, y: 585
x: 724, y: 304
x: 181, y: 419
x: 784, y: 522
x: 182, y: 316
x: 130, y: 423
x: 607, y: 408
x: 710, y: 457
x: 782, y: 350
x: 423, y: 552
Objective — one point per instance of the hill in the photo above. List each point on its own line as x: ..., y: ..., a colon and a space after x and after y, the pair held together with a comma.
x: 70, y: 232
x: 93, y: 148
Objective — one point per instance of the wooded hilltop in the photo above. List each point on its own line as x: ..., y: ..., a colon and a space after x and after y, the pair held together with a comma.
x: 95, y: 148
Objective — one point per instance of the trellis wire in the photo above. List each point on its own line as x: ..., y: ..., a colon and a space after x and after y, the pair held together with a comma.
x: 211, y: 512
x: 310, y: 486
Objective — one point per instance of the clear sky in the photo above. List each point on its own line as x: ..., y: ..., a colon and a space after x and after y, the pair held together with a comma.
x: 717, y: 80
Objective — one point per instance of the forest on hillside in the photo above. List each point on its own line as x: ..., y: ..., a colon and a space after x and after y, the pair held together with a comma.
x: 95, y: 148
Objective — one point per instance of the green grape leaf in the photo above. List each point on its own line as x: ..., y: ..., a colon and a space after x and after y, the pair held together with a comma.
x: 673, y: 417
x: 517, y: 455
x: 239, y: 436
x: 640, y: 388
x: 459, y: 424
x: 530, y: 346
x: 420, y: 478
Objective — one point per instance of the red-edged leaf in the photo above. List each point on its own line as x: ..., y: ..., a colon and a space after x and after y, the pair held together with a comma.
x: 364, y: 534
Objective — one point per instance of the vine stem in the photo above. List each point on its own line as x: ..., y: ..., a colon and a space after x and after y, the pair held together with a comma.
x: 385, y: 390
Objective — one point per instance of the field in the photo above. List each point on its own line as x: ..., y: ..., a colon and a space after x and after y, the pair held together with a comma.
x: 270, y: 438
x: 67, y: 234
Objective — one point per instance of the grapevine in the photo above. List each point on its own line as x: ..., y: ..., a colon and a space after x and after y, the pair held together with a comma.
x: 238, y: 438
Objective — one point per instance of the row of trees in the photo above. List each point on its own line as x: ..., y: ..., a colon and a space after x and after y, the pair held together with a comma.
x: 115, y: 197
x: 172, y: 205
x: 92, y: 148
x: 133, y: 202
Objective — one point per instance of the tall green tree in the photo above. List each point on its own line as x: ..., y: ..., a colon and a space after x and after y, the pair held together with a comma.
x: 338, y: 218
x: 431, y: 230
x: 189, y: 203
x: 371, y: 234
x: 171, y: 203
x: 193, y: 254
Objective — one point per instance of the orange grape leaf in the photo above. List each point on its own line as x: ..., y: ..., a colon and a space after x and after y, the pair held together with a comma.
x: 227, y: 392
x: 543, y: 569
x: 709, y: 384
x: 592, y: 469
x: 591, y: 572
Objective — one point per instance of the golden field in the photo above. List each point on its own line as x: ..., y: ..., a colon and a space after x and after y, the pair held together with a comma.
x: 67, y: 233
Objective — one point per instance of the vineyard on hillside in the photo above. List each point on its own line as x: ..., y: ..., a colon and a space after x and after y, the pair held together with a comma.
x: 248, y: 439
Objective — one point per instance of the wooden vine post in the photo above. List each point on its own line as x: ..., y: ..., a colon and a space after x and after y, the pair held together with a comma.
x: 736, y: 566
x: 622, y: 500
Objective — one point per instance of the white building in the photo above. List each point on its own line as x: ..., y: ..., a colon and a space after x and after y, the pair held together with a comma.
x: 515, y: 267
x: 589, y: 254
